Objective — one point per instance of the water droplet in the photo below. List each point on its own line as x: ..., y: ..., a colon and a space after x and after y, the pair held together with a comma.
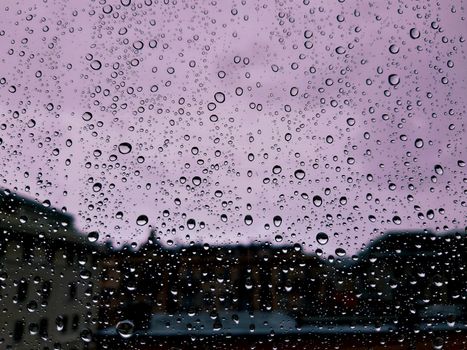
x: 93, y: 236
x: 86, y: 335
x: 97, y: 187
x: 394, y: 79
x: 438, y: 343
x: 85, y: 274
x: 124, y: 148
x: 32, y: 306
x: 276, y: 169
x: 322, y: 238
x: 394, y: 49
x: 419, y: 143
x: 340, y: 252
x: 142, y: 220
x: 299, y: 174
x: 196, y: 181
x: 294, y: 91
x: 60, y: 323
x: 248, y: 220
x: 278, y: 238
x: 96, y: 64
x: 191, y: 223
x: 317, y: 200
x: 219, y: 97
x: 340, y: 50
x: 87, y: 116
x: 33, y: 328
x: 396, y: 220
x: 430, y: 214
x: 277, y: 220
x: 125, y: 328
x: 414, y: 33
x: 439, y: 169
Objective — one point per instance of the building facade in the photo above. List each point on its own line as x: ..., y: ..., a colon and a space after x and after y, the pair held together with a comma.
x: 48, y: 278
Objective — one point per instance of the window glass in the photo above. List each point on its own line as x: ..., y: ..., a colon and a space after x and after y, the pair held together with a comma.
x: 237, y: 174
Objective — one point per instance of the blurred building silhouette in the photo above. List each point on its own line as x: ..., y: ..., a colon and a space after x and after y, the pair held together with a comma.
x: 400, y: 279
x: 203, y: 278
x: 412, y: 279
x: 48, y: 278
x: 59, y: 290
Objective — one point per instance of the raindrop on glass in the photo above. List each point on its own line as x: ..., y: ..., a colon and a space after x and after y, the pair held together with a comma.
x: 322, y: 238
x: 124, y: 148
x: 125, y: 328
x: 142, y: 220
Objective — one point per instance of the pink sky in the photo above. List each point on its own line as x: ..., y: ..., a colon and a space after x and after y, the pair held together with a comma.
x: 48, y: 151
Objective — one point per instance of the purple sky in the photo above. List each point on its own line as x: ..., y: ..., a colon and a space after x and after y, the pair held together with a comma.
x: 148, y: 72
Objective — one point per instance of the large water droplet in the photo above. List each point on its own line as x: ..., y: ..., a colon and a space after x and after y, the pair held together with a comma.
x: 60, y: 323
x: 340, y: 252
x: 142, y: 220
x: 414, y: 33
x: 196, y: 181
x: 277, y: 220
x: 219, y: 97
x: 124, y: 148
x: 125, y: 328
x: 87, y: 116
x: 299, y: 174
x: 317, y: 200
x: 394, y: 79
x: 86, y: 335
x: 248, y: 220
x: 191, y: 223
x: 93, y: 236
x: 276, y: 169
x: 278, y: 238
x: 439, y: 169
x: 322, y: 238
x: 419, y: 143
x: 96, y: 64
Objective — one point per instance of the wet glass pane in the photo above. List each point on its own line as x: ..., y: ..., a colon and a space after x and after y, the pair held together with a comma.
x: 233, y: 174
